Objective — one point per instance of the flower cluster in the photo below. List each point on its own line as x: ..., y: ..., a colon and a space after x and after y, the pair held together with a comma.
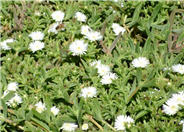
x: 4, y: 46
x: 90, y: 34
x: 58, y: 16
x: 173, y: 105
x: 122, y: 121
x: 40, y: 107
x: 16, y: 99
x: 36, y: 44
x: 105, y: 72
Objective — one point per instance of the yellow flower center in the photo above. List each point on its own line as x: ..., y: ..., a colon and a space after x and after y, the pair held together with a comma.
x: 89, y: 93
x: 78, y: 48
x: 173, y: 107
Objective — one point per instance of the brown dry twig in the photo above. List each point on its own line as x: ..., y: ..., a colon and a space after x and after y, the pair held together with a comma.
x: 105, y: 50
x: 94, y: 122
x: 114, y: 43
x: 170, y: 42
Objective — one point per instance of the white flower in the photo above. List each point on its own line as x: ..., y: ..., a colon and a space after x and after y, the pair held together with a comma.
x: 178, y: 98
x: 37, y: 13
x: 178, y: 68
x: 36, y: 45
x: 36, y: 35
x: 85, y: 126
x: 85, y: 29
x: 39, y: 1
x: 93, y: 36
x: 88, y: 92
x: 121, y: 122
x: 53, y: 27
x: 166, y: 68
x: 122, y: 5
x: 54, y: 110
x: 171, y: 107
x: 58, y: 16
x: 9, y: 40
x: 96, y: 63
x: 15, y: 100
x: 182, y: 123
x: 140, y: 62
x: 13, y: 86
x: 103, y: 69
x: 40, y: 107
x: 4, y: 46
x: 80, y: 17
x: 78, y: 47
x: 5, y: 93
x: 117, y: 28
x: 107, y: 78
x: 69, y: 126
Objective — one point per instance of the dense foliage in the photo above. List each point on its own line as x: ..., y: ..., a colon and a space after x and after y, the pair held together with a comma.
x: 54, y: 76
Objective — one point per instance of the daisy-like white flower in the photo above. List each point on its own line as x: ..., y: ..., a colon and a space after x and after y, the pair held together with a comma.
x: 4, y: 46
x: 122, y: 121
x: 53, y: 27
x: 80, y: 17
x: 13, y: 86
x: 103, y: 69
x: 78, y: 47
x: 54, y: 110
x: 85, y: 29
x: 171, y: 107
x: 14, y: 101
x: 58, y: 16
x: 117, y: 28
x: 36, y: 35
x: 178, y: 98
x: 69, y: 126
x: 88, y: 92
x: 96, y: 63
x: 107, y: 79
x: 85, y: 127
x: 178, y: 68
x: 36, y: 45
x: 93, y: 36
x: 140, y: 62
x: 40, y: 107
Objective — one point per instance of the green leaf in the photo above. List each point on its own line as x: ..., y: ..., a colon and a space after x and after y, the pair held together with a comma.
x: 40, y: 123
x: 141, y: 114
x: 10, y: 95
x: 97, y: 110
x: 136, y: 15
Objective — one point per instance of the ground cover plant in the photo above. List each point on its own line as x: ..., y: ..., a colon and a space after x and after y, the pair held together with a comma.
x: 92, y: 66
